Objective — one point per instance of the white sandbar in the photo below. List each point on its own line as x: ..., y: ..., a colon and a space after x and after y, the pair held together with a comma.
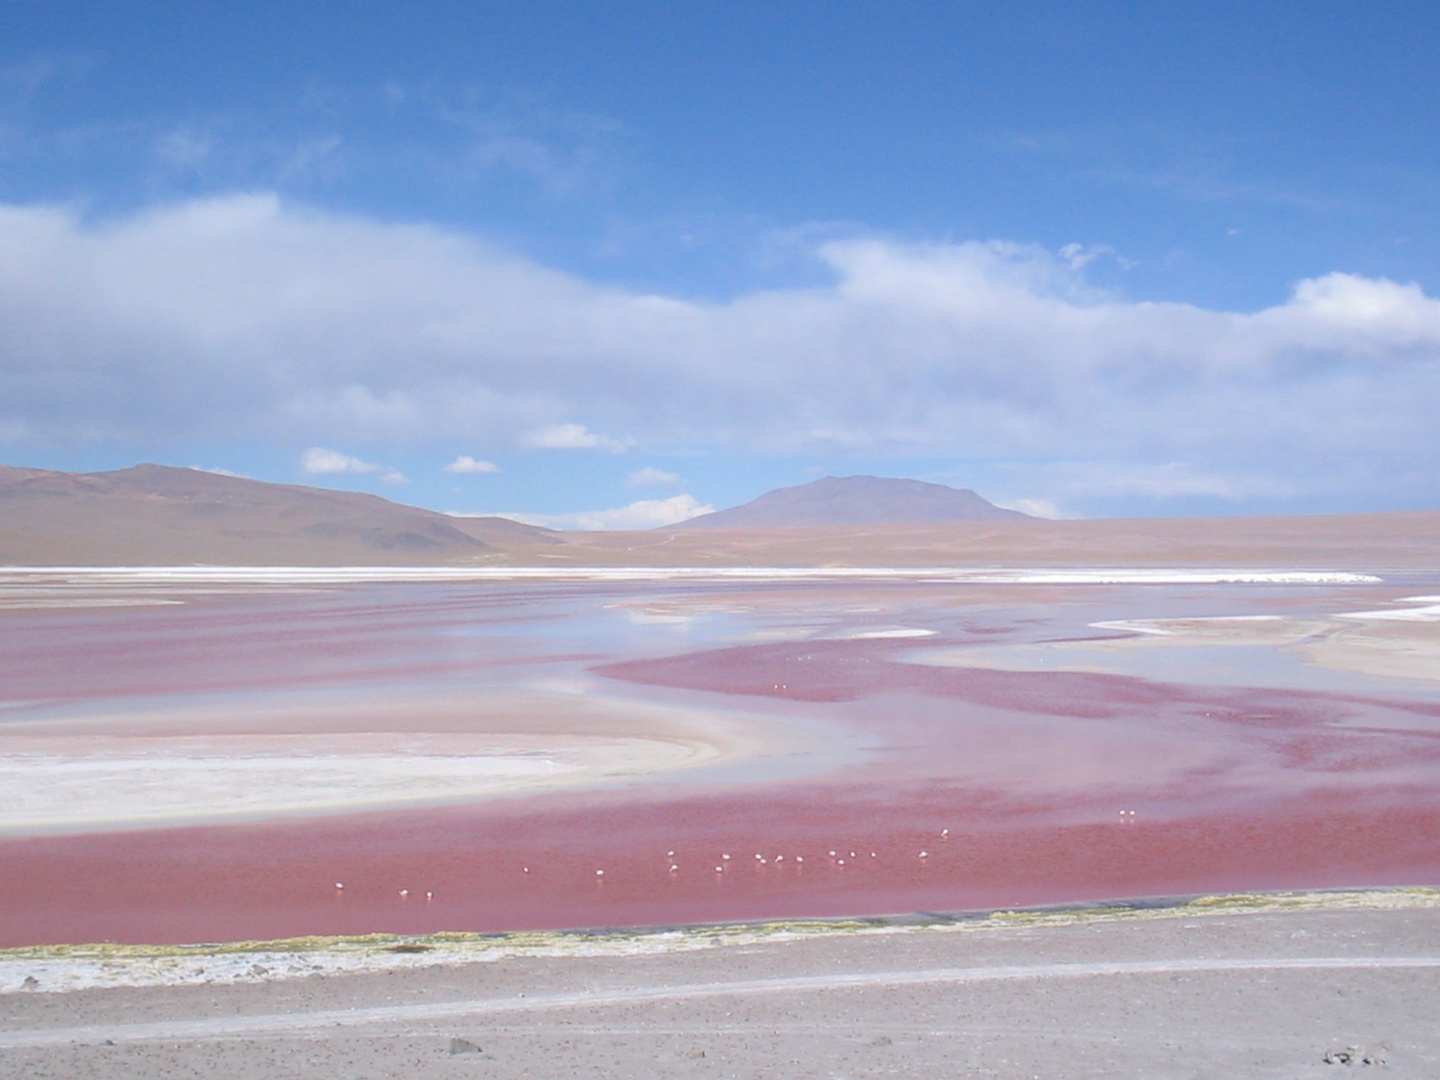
x: 332, y: 575
x: 55, y: 785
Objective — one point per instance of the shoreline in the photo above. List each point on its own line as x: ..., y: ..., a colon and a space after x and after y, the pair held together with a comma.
x: 106, y: 965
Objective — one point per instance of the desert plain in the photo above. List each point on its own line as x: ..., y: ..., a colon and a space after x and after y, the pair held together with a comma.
x: 758, y: 739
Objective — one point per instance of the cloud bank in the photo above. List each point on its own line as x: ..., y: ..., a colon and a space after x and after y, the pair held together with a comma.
x: 247, y: 317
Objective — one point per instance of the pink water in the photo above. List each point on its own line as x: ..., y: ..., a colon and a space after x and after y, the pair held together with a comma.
x: 1267, y: 776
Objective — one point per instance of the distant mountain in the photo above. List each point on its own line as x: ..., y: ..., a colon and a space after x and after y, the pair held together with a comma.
x: 856, y: 500
x: 157, y: 515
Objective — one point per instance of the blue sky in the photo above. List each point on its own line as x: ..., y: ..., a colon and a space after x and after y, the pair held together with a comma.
x: 628, y: 260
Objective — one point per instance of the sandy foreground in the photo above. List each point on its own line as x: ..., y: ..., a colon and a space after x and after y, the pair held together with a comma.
x: 1280, y: 986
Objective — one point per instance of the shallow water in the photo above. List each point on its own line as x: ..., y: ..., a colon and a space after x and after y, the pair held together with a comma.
x: 1055, y: 761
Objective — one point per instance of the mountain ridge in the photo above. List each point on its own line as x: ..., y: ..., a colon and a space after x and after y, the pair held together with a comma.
x: 856, y: 500
x: 152, y: 515
x: 160, y: 514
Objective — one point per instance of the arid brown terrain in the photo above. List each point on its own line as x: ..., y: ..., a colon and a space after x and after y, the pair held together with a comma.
x: 158, y: 516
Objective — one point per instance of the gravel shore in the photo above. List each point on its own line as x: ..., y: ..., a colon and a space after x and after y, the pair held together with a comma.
x: 1289, y: 987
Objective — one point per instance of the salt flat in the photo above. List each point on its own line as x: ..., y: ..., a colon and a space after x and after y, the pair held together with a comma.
x: 50, y: 786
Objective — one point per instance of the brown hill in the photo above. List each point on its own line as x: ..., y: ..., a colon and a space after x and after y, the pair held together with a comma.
x: 856, y: 500
x: 157, y: 515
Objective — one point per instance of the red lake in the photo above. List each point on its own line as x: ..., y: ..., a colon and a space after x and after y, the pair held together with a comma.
x: 204, y: 761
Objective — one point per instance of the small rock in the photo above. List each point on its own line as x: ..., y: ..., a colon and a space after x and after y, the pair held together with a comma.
x: 463, y: 1046
x: 31, y: 982
x: 1354, y: 1055
x: 882, y: 1040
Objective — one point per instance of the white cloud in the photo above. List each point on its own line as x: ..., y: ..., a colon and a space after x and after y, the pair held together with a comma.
x: 245, y: 317
x: 321, y: 462
x: 1078, y: 256
x: 466, y: 465
x: 644, y: 514
x: 650, y: 476
x: 318, y: 461
x: 572, y: 437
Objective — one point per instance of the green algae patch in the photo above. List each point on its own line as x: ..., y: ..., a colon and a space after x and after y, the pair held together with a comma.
x: 1227, y: 904
x: 59, y: 968
x: 1417, y: 896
